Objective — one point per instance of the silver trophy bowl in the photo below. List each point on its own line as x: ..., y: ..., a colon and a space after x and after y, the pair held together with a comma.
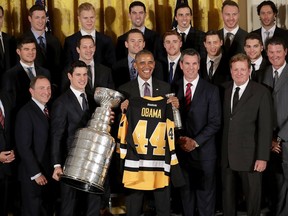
x: 88, y: 160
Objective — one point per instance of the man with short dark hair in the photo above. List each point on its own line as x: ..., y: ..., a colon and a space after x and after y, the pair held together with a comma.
x: 253, y: 48
x: 137, y: 15
x: 232, y: 35
x: 200, y: 109
x: 49, y: 50
x: 191, y: 37
x: 214, y: 67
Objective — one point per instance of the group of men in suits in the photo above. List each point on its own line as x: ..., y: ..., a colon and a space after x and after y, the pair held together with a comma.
x: 205, y: 67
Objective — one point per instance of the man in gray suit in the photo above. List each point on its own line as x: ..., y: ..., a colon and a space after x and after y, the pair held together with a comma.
x: 275, y: 78
x: 247, y: 133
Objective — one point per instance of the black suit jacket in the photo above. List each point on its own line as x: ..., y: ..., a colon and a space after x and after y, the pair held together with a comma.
x: 237, y: 45
x: 16, y: 82
x: 151, y: 43
x: 178, y: 74
x: 104, y: 54
x: 102, y: 78
x: 194, y: 39
x: 32, y: 141
x: 221, y: 75
x: 5, y: 133
x: 52, y: 59
x: 121, y: 72
x: 279, y: 32
x: 131, y: 89
x: 66, y: 117
x: 259, y: 74
x: 247, y: 131
x: 201, y: 122
x: 9, y: 60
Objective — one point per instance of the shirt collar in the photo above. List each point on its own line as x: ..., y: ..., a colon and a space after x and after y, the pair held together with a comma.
x: 234, y: 31
x: 93, y: 33
x: 194, y: 82
x: 141, y: 81
x: 280, y: 70
x: 271, y: 30
x: 36, y: 35
x: 25, y: 65
x: 175, y: 60
x: 76, y: 92
x: 40, y: 105
x: 242, y: 87
x: 186, y: 30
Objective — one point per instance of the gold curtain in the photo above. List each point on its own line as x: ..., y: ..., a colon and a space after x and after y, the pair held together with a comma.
x: 111, y: 15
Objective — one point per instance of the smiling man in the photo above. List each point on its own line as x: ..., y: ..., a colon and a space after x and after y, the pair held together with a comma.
x: 247, y: 109
x: 232, y: 35
x: 137, y: 15
x: 32, y: 143
x: 214, y: 67
x: 253, y: 48
x: 200, y: 110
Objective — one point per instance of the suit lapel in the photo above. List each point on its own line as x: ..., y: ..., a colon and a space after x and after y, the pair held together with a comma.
x: 245, y: 96
x: 75, y: 102
x: 282, y: 79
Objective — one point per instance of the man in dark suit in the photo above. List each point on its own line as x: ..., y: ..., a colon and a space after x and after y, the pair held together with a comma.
x: 49, y: 53
x: 69, y: 113
x: 191, y: 37
x: 123, y: 70
x: 247, y: 135
x: 7, y: 47
x: 232, y: 35
x: 145, y: 64
x: 214, y: 67
x: 33, y: 147
x: 101, y: 76
x: 267, y: 12
x: 17, y: 79
x: 172, y: 42
x: 6, y: 151
x: 105, y: 53
x: 275, y: 78
x: 253, y: 48
x: 137, y: 15
x: 200, y: 110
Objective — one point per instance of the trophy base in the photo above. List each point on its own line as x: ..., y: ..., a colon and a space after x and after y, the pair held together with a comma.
x: 82, y: 185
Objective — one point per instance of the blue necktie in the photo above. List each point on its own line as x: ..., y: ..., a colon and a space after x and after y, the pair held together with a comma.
x: 171, y: 72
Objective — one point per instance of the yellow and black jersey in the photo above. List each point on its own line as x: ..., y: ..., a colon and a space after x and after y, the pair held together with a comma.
x: 146, y: 135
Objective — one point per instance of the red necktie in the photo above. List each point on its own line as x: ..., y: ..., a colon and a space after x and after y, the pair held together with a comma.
x: 2, y: 119
x: 46, y: 112
x: 188, y: 95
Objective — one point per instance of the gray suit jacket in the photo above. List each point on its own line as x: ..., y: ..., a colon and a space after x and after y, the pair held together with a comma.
x: 280, y: 99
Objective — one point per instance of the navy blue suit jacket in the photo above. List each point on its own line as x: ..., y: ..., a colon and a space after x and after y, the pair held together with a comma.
x: 201, y: 122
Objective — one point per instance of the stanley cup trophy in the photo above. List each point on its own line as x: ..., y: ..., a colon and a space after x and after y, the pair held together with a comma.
x: 89, y: 158
x: 176, y: 114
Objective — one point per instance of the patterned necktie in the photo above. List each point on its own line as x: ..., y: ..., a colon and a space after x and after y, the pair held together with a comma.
x: 41, y: 43
x: 147, y: 90
x: 133, y: 72
x: 84, y: 102
x: 171, y: 72
x: 46, y: 112
x: 188, y: 95
x: 2, y: 119
x: 211, y: 70
x: 30, y: 73
x: 89, y: 73
x: 228, y: 40
x: 235, y: 98
x: 275, y: 79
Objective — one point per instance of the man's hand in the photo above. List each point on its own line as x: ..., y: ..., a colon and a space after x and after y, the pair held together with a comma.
x: 187, y: 144
x: 276, y: 146
x: 174, y: 101
x: 260, y: 165
x: 7, y: 156
x: 124, y: 106
x: 57, y: 173
x: 41, y: 180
